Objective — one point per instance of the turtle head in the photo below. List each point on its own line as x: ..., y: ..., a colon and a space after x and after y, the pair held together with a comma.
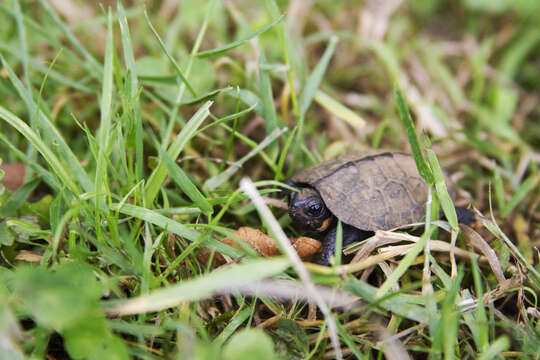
x: 308, y: 211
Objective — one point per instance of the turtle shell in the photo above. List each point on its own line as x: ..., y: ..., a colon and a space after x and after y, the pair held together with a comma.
x: 376, y: 191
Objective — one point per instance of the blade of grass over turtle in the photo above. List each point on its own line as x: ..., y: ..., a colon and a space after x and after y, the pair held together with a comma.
x: 160, y: 172
x: 220, y: 178
x: 416, y: 149
x: 50, y: 132
x: 182, y: 180
x: 104, y: 131
x: 249, y: 188
x: 338, y: 109
x: 42, y: 148
x: 225, y: 48
x: 339, y: 244
x: 173, y: 62
x: 200, y: 288
x: 129, y: 60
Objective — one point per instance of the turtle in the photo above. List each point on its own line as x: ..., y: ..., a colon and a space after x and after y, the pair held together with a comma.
x: 378, y: 190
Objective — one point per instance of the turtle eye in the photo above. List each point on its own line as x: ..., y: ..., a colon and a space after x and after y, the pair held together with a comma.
x: 315, y: 209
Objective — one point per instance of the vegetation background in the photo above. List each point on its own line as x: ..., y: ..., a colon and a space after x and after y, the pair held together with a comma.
x: 125, y: 129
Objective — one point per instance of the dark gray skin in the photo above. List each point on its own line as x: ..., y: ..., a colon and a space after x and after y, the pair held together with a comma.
x: 309, y: 214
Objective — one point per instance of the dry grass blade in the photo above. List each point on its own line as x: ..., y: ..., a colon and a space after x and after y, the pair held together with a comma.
x: 479, y: 243
x: 290, y: 290
x: 249, y: 188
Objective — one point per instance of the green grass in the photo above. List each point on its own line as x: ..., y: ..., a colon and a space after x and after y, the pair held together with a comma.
x: 136, y: 126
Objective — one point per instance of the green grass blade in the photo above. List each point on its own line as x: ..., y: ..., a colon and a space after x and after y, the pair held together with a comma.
x: 338, y: 109
x: 269, y: 110
x: 339, y: 244
x: 274, y: 10
x: 204, y: 97
x: 495, y: 349
x: 219, y: 179
x: 498, y: 188
x: 202, y: 287
x: 173, y: 62
x: 404, y: 264
x: 22, y: 41
x: 399, y: 304
x: 308, y: 92
x: 442, y: 191
x: 315, y: 78
x: 416, y: 149
x: 481, y: 321
x: 42, y: 172
x: 232, y: 327
x: 129, y: 59
x: 50, y: 133
x: 222, y: 49
x: 181, y: 179
x: 17, y: 199
x: 160, y: 172
x: 524, y: 189
x: 72, y: 38
x: 174, y: 227
x: 42, y: 148
x: 105, y: 119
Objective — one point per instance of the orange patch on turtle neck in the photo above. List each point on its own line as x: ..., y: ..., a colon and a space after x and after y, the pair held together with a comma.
x: 324, y: 224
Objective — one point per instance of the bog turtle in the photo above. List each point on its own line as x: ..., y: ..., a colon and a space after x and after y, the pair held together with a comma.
x: 376, y: 191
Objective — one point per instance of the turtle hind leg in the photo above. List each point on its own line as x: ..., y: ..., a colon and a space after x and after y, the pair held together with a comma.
x: 350, y: 234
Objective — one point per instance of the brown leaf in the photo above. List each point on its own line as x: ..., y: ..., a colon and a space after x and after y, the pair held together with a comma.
x: 258, y: 240
x: 14, y: 177
x: 305, y: 246
x: 264, y: 245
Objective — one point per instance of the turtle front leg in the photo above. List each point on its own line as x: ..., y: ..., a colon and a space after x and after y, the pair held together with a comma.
x: 464, y: 216
x: 350, y: 234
